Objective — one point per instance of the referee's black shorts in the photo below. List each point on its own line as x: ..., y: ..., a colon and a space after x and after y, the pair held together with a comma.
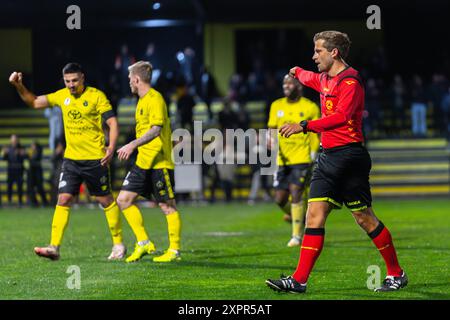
x: 341, y: 175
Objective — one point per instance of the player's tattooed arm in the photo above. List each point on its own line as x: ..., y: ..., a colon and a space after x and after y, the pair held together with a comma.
x: 148, y: 136
x: 125, y: 152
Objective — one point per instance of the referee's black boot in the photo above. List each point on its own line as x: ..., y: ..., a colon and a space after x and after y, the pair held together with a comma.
x: 391, y: 283
x: 286, y: 284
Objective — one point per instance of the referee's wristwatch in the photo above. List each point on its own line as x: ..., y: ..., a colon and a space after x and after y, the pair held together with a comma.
x: 304, y: 125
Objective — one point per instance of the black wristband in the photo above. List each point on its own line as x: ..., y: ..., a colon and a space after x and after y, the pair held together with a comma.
x: 304, y: 125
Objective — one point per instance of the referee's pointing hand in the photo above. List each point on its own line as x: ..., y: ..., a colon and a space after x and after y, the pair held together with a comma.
x: 289, y: 129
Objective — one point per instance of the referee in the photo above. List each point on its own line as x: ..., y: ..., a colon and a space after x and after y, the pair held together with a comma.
x: 342, y: 172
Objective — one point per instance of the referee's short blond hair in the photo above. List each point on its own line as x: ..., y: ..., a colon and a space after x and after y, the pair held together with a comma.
x: 142, y: 69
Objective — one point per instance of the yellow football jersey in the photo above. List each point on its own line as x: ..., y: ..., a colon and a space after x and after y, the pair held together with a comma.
x: 82, y: 117
x: 151, y: 111
x: 297, y: 148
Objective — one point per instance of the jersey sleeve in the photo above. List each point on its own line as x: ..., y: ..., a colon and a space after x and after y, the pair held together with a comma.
x: 350, y: 93
x: 158, y: 112
x: 272, y: 122
x: 54, y: 98
x: 103, y: 104
x: 308, y: 78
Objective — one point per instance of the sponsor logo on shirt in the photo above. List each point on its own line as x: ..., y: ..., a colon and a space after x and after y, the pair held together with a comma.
x: 74, y: 114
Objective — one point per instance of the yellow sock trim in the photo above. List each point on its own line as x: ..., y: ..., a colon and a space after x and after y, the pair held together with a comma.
x: 174, y: 230
x: 136, y: 222
x: 297, y: 219
x: 112, y: 214
x: 59, y: 224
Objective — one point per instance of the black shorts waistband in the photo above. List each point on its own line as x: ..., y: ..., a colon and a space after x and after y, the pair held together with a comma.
x: 344, y: 147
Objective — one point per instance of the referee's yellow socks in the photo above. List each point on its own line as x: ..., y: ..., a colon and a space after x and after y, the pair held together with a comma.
x: 174, y: 230
x: 112, y: 214
x: 59, y: 224
x: 136, y: 222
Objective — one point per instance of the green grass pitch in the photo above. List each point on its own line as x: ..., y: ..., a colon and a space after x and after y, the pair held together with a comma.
x: 228, y: 252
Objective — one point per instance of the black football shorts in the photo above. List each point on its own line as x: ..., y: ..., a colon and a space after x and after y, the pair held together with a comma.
x: 75, y: 172
x: 298, y: 174
x: 158, y: 183
x: 341, y: 175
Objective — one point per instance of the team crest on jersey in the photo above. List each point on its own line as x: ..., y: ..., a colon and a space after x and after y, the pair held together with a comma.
x: 85, y: 103
x: 67, y: 101
x: 280, y: 113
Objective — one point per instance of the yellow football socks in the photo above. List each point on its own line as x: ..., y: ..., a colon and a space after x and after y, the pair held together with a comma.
x: 296, y: 213
x: 112, y: 214
x: 59, y: 224
x: 174, y: 229
x: 136, y: 222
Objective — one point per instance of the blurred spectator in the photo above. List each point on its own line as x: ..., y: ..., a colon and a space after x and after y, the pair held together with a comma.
x: 397, y: 99
x: 185, y: 105
x: 227, y: 117
x: 188, y: 67
x: 270, y: 94
x: 151, y: 56
x: 436, y: 91
x: 35, y: 178
x: 207, y: 89
x: 243, y: 118
x: 418, y: 107
x: 112, y: 91
x: 237, y: 89
x: 373, y: 106
x: 123, y: 60
x: 226, y: 170
x: 55, y: 123
x: 445, y: 108
x: 15, y: 154
x: 166, y: 86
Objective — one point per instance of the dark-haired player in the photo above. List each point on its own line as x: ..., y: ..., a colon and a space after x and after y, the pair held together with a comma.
x: 86, y: 157
x: 295, y: 154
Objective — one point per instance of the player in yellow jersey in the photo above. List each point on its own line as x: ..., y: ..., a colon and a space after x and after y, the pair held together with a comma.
x: 153, y: 172
x: 86, y: 158
x: 294, y: 155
